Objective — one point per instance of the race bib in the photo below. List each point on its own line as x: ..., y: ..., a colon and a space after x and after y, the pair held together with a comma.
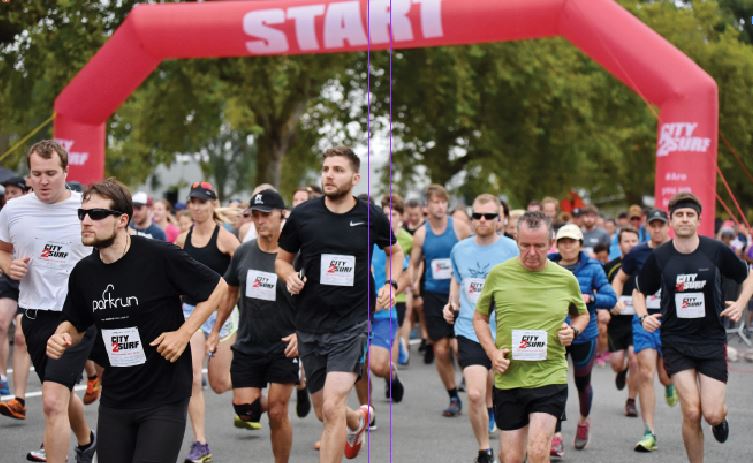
x: 690, y: 305
x: 124, y: 347
x: 472, y: 288
x: 653, y: 302
x: 337, y: 270
x: 628, y: 302
x: 441, y: 269
x: 529, y: 345
x: 261, y: 285
x: 53, y: 255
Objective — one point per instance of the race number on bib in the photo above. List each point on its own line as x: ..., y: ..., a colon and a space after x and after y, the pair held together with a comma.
x: 690, y: 305
x: 441, y: 269
x: 472, y: 288
x: 628, y: 308
x: 53, y: 255
x: 124, y: 347
x: 261, y: 285
x: 529, y: 345
x: 337, y: 270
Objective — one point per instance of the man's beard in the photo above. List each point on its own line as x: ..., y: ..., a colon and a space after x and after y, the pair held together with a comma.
x: 339, y: 193
x: 101, y: 243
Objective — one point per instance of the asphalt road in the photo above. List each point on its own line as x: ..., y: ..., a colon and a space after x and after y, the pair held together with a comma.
x: 418, y: 432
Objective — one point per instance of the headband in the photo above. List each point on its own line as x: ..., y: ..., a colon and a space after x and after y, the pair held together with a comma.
x: 686, y: 204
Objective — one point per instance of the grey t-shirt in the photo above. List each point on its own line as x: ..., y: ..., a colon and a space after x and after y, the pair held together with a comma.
x: 265, y: 305
x: 594, y: 237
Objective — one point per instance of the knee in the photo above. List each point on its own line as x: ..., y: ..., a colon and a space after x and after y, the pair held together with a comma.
x: 54, y: 405
x: 219, y: 385
x: 511, y: 456
x: 713, y: 417
x: 538, y: 450
x: 332, y: 411
x: 476, y: 397
x: 278, y: 413
x: 19, y: 341
x: 441, y: 349
x: 381, y: 370
x: 691, y: 413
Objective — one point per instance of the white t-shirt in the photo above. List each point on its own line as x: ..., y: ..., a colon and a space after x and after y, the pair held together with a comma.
x: 51, y: 235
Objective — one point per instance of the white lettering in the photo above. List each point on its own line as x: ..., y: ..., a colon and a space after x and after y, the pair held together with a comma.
x: 678, y: 136
x: 272, y: 40
x: 379, y: 20
x: 431, y: 18
x: 77, y: 158
x: 304, y: 17
x: 343, y: 22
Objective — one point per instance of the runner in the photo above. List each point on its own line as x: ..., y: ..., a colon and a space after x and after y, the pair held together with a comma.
x: 265, y: 353
x: 432, y: 244
x: 165, y: 221
x: 412, y: 219
x: 211, y: 244
x: 688, y: 271
x: 471, y: 260
x: 530, y: 298
x: 129, y: 288
x: 620, y: 328
x: 41, y: 261
x: 335, y: 294
x: 647, y: 346
x: 599, y: 297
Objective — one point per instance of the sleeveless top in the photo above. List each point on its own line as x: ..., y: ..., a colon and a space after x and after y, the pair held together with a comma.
x: 436, y: 251
x: 209, y: 255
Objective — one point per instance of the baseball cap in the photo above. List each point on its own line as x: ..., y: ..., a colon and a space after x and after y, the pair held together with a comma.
x: 727, y: 231
x: 569, y: 231
x: 657, y: 214
x: 202, y: 190
x: 15, y: 181
x: 141, y: 198
x: 266, y: 201
x: 635, y: 211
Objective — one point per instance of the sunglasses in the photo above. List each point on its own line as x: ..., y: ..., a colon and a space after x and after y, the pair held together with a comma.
x: 205, y: 185
x: 97, y: 214
x: 486, y: 215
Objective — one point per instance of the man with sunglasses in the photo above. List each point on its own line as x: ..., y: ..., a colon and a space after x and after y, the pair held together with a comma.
x: 39, y: 245
x: 130, y: 289
x: 471, y: 260
x: 142, y: 218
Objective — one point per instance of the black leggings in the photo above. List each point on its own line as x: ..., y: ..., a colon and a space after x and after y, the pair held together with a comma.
x: 142, y: 435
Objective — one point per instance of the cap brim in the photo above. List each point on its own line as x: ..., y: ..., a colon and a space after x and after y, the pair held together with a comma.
x: 262, y: 208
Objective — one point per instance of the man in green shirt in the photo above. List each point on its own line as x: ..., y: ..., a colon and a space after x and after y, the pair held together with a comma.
x: 530, y: 297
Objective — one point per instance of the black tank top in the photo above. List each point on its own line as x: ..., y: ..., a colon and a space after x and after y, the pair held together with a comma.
x: 209, y: 255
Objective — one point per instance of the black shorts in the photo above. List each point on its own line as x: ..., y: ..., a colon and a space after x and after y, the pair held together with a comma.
x: 471, y: 353
x: 512, y: 407
x: 38, y: 326
x: 325, y: 352
x: 708, y: 360
x: 620, y: 332
x: 8, y: 288
x: 259, y: 370
x: 436, y: 325
x: 400, y: 306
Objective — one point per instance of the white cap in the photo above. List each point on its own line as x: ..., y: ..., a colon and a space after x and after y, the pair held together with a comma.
x: 140, y: 198
x: 569, y: 231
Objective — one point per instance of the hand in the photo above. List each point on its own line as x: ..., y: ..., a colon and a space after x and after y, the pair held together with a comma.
x: 618, y: 308
x: 652, y: 323
x: 602, y: 316
x: 171, y: 344
x: 291, y: 350
x: 500, y: 361
x: 385, y: 297
x: 566, y: 335
x: 587, y: 298
x: 213, y: 340
x: 295, y: 284
x: 449, y: 311
x: 19, y: 267
x: 733, y: 311
x: 57, y: 344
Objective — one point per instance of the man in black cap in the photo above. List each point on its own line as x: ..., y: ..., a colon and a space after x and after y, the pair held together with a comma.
x: 14, y: 187
x: 265, y: 352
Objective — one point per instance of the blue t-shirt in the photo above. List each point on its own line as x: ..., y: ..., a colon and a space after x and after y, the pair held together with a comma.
x: 379, y: 269
x: 436, y: 249
x: 471, y: 263
x: 153, y: 231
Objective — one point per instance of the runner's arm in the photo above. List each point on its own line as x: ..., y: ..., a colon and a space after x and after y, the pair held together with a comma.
x: 6, y: 256
x: 483, y: 332
x: 415, y: 256
x: 223, y: 313
x: 734, y: 310
x: 65, y: 336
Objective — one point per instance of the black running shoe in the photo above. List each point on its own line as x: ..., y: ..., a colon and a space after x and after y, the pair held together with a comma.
x: 303, y: 404
x: 619, y: 379
x: 721, y: 431
x: 429, y: 354
x: 397, y: 390
x: 485, y: 456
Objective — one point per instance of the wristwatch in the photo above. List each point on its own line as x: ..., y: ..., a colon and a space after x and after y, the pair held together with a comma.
x: 393, y: 283
x: 576, y: 331
x: 641, y: 318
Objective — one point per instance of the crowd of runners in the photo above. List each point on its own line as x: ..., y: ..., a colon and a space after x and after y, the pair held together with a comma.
x: 321, y: 295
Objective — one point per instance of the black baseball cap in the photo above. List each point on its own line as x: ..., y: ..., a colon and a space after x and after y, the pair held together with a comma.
x: 266, y: 201
x: 202, y: 190
x: 18, y: 182
x: 657, y: 214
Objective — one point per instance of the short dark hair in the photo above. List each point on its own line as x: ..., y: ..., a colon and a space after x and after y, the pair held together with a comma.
x: 395, y: 201
x: 45, y: 149
x: 116, y: 192
x: 436, y: 190
x: 601, y: 247
x: 684, y: 200
x: 413, y: 203
x: 344, y: 151
x: 626, y: 230
x: 535, y: 219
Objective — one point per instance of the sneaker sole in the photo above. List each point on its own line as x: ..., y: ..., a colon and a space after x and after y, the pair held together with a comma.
x: 642, y: 449
x: 5, y: 411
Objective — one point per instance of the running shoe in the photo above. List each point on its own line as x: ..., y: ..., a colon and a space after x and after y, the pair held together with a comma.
x: 86, y: 455
x: 582, y: 436
x: 38, y: 455
x: 395, y: 390
x: 556, y: 449
x: 14, y: 409
x: 619, y: 379
x: 721, y: 431
x: 630, y: 408
x: 485, y: 456
x: 492, y: 424
x: 429, y: 354
x: 242, y: 424
x: 403, y: 353
x: 93, y: 386
x: 354, y: 438
x: 372, y: 424
x: 670, y: 395
x: 303, y: 403
x: 200, y: 453
x: 4, y: 387
x: 647, y: 443
x: 455, y: 408
x: 422, y: 346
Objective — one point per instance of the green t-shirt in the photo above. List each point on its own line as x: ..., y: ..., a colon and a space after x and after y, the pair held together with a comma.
x: 530, y: 306
x: 405, y: 240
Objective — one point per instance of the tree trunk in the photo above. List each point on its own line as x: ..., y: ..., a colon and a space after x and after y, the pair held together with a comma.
x: 274, y: 144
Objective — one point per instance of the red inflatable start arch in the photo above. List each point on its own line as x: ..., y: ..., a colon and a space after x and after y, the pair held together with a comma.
x: 633, y: 53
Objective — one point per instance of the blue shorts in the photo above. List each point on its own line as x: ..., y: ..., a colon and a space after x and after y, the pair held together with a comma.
x: 642, y: 339
x: 228, y: 328
x: 383, y: 332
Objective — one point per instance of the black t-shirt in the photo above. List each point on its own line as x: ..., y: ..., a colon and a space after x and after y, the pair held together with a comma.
x: 611, y: 268
x: 339, y: 297
x: 266, y: 306
x: 631, y: 266
x: 691, y: 297
x: 132, y: 301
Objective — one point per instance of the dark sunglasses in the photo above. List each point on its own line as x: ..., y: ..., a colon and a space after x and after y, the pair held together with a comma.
x: 486, y: 215
x: 97, y: 214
